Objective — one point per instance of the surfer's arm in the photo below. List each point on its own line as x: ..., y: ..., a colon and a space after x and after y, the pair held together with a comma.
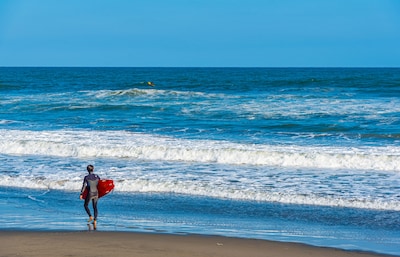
x: 84, y: 184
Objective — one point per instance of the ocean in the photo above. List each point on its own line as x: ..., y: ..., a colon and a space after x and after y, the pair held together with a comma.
x: 309, y: 155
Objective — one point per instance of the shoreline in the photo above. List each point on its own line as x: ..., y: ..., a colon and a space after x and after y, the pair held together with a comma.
x: 107, y: 243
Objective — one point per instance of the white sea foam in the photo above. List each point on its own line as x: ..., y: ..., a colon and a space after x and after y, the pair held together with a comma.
x: 329, y: 176
x: 204, y: 189
x: 2, y: 122
x: 150, y: 92
x: 121, y: 144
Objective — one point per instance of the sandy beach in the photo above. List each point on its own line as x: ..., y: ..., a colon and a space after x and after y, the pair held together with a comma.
x: 95, y: 243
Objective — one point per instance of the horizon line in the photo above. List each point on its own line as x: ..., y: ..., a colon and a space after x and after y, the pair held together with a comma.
x: 216, y: 67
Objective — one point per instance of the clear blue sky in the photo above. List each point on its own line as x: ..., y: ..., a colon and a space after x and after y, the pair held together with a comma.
x: 200, y: 33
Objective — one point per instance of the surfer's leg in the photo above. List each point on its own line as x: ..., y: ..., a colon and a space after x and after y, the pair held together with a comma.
x: 94, y: 201
x: 87, y: 200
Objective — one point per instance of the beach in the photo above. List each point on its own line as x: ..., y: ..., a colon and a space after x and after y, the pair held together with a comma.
x: 95, y: 243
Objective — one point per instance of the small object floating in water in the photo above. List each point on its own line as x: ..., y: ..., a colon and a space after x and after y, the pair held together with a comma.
x: 149, y: 83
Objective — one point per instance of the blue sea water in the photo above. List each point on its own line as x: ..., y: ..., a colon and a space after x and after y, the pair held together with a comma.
x: 307, y: 155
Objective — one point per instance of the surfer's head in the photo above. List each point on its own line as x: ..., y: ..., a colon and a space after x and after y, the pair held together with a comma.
x: 90, y: 168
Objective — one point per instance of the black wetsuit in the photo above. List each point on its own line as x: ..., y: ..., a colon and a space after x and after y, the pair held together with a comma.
x: 90, y: 181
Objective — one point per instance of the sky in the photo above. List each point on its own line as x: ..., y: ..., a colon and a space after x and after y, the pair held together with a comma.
x: 200, y: 33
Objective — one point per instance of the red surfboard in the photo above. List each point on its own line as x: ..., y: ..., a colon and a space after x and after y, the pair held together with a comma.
x: 104, y: 187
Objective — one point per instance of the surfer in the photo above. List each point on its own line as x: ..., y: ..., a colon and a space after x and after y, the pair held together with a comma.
x: 90, y: 183
x: 151, y: 84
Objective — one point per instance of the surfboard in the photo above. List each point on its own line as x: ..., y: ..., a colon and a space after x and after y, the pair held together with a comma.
x: 104, y: 187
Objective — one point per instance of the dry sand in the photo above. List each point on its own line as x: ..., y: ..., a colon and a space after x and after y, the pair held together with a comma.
x: 116, y: 244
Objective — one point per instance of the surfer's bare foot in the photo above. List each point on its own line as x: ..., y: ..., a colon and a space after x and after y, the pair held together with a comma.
x: 90, y: 219
x: 94, y: 224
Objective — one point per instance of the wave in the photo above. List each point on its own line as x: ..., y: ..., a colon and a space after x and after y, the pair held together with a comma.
x: 135, y: 92
x: 127, y: 186
x: 123, y: 144
x: 252, y: 195
x: 2, y: 122
x: 264, y: 105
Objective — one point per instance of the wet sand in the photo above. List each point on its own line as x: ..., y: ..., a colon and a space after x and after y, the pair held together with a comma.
x: 116, y: 244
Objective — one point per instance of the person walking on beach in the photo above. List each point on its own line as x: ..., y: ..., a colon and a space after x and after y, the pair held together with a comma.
x: 90, y: 182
